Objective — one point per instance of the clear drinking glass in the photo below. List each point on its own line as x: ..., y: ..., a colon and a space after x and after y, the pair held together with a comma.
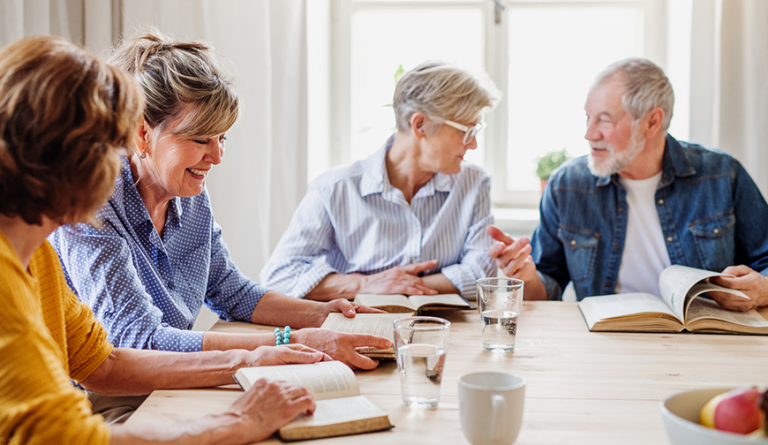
x: 500, y: 300
x: 421, y: 344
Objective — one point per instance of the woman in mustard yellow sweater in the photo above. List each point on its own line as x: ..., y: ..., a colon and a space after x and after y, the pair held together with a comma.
x: 64, y: 116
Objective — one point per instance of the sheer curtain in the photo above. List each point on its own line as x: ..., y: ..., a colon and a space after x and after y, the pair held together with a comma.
x: 729, y: 81
x: 23, y: 18
x: 263, y: 175
x: 744, y: 85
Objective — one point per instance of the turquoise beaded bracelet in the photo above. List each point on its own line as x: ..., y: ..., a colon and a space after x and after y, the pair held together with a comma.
x: 282, y: 338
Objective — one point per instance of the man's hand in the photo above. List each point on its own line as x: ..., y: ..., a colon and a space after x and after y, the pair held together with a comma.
x: 268, y: 406
x: 398, y: 280
x: 746, y: 280
x: 512, y: 257
x: 341, y: 346
x: 285, y: 355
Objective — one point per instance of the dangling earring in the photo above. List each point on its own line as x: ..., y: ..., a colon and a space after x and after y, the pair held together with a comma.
x: 143, y: 155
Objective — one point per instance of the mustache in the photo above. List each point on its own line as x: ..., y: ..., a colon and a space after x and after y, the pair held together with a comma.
x: 601, y: 145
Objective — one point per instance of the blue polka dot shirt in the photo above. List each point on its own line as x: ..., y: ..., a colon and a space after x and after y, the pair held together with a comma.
x: 147, y: 290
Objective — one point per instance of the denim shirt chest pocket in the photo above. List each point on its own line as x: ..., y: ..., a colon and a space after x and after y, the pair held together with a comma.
x: 715, y: 240
x: 580, y: 248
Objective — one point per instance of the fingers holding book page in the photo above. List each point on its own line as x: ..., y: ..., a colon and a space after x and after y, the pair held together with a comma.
x: 340, y: 408
x: 744, y: 279
x: 342, y: 346
x: 269, y: 405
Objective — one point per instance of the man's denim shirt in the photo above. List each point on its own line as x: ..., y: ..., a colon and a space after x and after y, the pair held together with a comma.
x: 712, y: 216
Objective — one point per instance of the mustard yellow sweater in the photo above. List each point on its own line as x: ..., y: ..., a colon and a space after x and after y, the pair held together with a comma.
x: 47, y: 337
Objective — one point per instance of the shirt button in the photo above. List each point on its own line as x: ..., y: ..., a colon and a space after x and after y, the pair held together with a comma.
x: 661, y: 201
x: 617, y: 247
x: 669, y: 238
x: 171, y: 286
x: 608, y: 284
x: 717, y: 231
x: 621, y: 209
x: 573, y: 242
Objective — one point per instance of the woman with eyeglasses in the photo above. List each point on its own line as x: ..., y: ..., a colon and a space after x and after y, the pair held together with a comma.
x: 410, y: 219
x: 157, y: 254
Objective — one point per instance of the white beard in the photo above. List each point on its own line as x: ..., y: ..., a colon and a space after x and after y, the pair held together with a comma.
x: 616, y: 162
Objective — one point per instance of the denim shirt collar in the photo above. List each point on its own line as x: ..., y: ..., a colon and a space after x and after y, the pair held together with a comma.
x: 376, y: 180
x: 674, y: 164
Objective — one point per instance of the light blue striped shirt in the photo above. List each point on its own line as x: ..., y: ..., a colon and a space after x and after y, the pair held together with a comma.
x: 352, y: 220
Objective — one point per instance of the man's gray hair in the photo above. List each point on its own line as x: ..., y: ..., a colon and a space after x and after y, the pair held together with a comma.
x: 441, y: 91
x: 646, y: 87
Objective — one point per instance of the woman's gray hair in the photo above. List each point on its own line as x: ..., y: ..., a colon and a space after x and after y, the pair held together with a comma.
x: 646, y: 87
x: 442, y: 92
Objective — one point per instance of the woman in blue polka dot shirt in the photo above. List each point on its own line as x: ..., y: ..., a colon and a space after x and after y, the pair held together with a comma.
x: 157, y: 254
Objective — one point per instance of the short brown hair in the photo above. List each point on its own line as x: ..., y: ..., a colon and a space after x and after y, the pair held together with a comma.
x: 64, y: 118
x: 178, y: 77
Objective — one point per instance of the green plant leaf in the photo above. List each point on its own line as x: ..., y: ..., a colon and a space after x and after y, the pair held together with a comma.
x: 548, y: 163
x: 399, y: 73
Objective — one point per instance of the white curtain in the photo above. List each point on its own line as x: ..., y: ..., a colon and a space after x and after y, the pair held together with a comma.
x: 24, y: 18
x: 744, y: 85
x: 729, y: 81
x: 263, y: 175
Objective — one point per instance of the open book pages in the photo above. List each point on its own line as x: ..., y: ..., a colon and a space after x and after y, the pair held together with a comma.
x: 373, y: 324
x: 413, y: 303
x: 340, y: 409
x: 681, y: 284
x: 679, y: 308
x: 325, y: 380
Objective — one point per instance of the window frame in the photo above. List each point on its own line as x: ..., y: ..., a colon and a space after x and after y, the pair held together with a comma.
x: 495, y: 61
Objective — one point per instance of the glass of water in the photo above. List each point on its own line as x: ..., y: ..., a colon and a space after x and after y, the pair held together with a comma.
x: 500, y: 300
x: 420, y: 344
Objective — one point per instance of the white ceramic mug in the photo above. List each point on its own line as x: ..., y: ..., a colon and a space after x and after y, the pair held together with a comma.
x: 491, y: 407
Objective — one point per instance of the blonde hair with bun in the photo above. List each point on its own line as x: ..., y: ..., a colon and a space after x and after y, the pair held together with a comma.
x: 180, y: 79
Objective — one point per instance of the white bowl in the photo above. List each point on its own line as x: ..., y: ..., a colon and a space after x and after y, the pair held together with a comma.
x: 681, y: 419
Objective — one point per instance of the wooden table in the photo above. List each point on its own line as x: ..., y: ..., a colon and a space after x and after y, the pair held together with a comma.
x: 583, y: 388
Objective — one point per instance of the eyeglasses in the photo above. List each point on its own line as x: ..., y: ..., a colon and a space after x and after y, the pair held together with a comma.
x: 469, y: 132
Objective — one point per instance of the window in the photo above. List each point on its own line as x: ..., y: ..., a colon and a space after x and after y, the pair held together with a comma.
x: 543, y: 56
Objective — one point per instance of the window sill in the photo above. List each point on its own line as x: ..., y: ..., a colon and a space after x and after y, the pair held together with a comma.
x: 516, y: 222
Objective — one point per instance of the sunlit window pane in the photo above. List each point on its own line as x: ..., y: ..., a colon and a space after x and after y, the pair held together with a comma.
x: 382, y: 40
x: 554, y: 56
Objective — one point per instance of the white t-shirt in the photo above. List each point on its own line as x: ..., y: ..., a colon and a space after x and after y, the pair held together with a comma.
x: 645, y: 254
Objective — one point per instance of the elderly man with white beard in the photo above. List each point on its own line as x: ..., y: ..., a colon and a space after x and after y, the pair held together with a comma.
x: 612, y: 220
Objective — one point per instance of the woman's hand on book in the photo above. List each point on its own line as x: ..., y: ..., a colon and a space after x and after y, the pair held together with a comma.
x: 398, y: 280
x: 343, y: 306
x: 268, y: 406
x: 285, y: 355
x: 746, y: 280
x: 341, y: 346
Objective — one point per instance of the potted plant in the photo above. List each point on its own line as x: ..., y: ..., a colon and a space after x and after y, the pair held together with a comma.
x: 546, y: 164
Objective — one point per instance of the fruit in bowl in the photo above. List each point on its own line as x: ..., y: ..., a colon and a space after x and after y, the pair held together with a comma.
x: 736, y: 411
x: 681, y: 415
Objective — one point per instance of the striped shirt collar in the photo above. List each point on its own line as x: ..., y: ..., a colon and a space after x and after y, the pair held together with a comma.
x: 376, y: 180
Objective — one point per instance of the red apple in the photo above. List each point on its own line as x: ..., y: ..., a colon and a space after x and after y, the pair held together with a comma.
x: 737, y: 411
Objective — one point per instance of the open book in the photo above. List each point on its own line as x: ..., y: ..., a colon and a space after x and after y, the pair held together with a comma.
x: 374, y: 324
x: 341, y: 410
x: 679, y: 308
x: 414, y: 303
